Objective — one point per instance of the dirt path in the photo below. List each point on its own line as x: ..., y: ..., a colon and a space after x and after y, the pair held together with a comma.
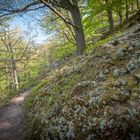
x: 11, y: 119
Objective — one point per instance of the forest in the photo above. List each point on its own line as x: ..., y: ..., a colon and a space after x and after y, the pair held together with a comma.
x: 69, y: 70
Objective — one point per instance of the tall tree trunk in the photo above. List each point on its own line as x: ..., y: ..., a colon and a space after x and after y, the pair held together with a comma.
x: 14, y: 69
x: 120, y: 17
x: 73, y: 8
x: 119, y: 11
x: 127, y: 10
x: 137, y: 4
x: 110, y: 16
x: 14, y: 75
x: 111, y: 21
x: 15, y: 79
x: 9, y: 77
x: 132, y: 6
x: 79, y: 33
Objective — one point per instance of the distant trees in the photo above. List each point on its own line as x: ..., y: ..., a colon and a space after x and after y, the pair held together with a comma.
x: 21, y: 60
x: 110, y: 11
x: 13, y: 51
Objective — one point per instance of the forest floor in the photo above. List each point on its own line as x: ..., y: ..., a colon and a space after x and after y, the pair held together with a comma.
x: 12, y: 118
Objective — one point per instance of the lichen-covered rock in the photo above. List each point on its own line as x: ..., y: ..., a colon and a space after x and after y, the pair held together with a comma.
x: 136, y: 73
x: 120, y: 53
x: 101, y: 76
x: 98, y: 97
x: 119, y: 72
x: 131, y: 65
x: 130, y: 49
x: 88, y: 83
x: 120, y: 83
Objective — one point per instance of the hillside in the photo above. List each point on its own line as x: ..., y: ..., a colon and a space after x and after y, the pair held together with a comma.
x: 96, y: 96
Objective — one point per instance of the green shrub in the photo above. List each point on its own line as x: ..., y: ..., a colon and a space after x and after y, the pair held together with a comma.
x: 59, y: 53
x: 31, y: 97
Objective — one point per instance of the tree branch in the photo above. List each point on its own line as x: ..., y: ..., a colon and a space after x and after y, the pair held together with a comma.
x: 25, y: 8
x: 58, y: 13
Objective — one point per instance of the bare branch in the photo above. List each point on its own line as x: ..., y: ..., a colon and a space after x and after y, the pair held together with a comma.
x: 8, y: 12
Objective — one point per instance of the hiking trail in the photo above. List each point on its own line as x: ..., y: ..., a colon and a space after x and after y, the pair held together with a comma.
x: 12, y: 118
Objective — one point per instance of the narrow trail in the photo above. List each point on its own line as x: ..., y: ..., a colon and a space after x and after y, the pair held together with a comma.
x: 12, y: 118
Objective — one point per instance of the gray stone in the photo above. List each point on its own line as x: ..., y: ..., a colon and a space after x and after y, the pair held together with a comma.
x: 119, y: 72
x: 100, y: 90
x: 101, y: 75
x: 120, y: 53
x: 91, y: 94
x: 136, y: 73
x: 120, y: 82
x: 116, y: 72
x: 125, y: 93
x: 137, y: 45
x: 106, y: 71
x: 137, y: 54
x: 94, y: 102
x: 88, y: 84
x: 123, y: 71
x: 130, y: 49
x: 121, y: 96
x: 130, y: 65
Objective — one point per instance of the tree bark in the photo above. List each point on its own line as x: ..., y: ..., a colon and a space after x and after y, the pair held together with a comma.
x: 111, y: 21
x: 15, y: 77
x: 120, y: 17
x: 119, y: 11
x: 14, y: 69
x: 73, y: 8
x: 79, y: 33
x: 137, y: 4
x: 127, y: 10
x: 110, y: 16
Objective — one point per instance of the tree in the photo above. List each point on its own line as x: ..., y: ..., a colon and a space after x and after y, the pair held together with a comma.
x: 119, y: 10
x: 72, y: 6
x: 127, y: 10
x: 54, y: 5
x: 101, y: 9
x: 137, y: 2
x: 13, y: 50
x: 109, y: 14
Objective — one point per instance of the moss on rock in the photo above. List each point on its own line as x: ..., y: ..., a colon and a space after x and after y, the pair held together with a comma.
x: 84, y: 99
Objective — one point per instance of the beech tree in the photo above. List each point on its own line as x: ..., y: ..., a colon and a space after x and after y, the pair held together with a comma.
x: 72, y: 6
x: 13, y: 7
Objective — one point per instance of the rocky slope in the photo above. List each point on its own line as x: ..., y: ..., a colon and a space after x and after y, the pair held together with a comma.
x: 92, y: 97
